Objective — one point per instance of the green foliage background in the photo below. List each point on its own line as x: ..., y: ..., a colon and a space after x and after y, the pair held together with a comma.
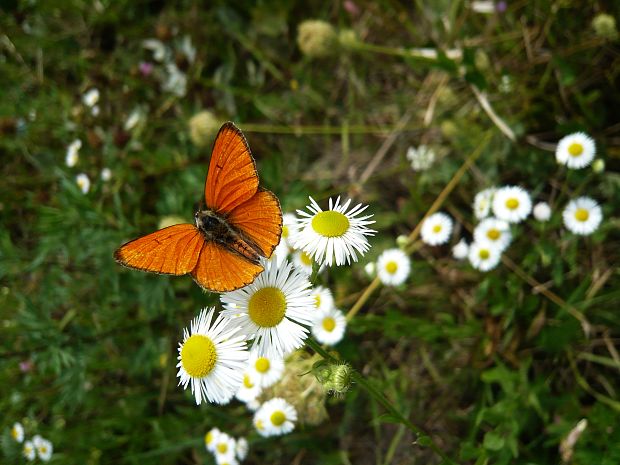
x: 490, y: 367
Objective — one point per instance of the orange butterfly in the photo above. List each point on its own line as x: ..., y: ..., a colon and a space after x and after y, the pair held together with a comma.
x: 241, y: 223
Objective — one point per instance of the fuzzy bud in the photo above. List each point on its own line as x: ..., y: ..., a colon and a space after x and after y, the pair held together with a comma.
x: 598, y: 166
x: 348, y: 38
x: 401, y: 241
x: 339, y: 378
x: 202, y: 128
x: 604, y: 26
x: 316, y: 38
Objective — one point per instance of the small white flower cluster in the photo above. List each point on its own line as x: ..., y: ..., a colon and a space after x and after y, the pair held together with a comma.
x: 32, y: 448
x: 90, y: 99
x: 421, y: 158
x: 173, y: 80
x: 275, y: 313
x: 262, y: 372
x: 511, y: 205
x: 226, y: 449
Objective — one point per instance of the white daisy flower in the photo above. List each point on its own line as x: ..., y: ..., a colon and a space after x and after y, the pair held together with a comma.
x: 36, y: 440
x: 242, y: 448
x: 482, y: 202
x: 421, y: 158
x: 280, y: 253
x: 83, y: 182
x: 28, y: 450
x: 393, y: 267
x: 212, y: 357
x: 495, y: 231
x: 17, y: 432
x: 45, y: 449
x: 106, y: 174
x: 512, y: 204
x: 323, y: 298
x: 576, y: 150
x: 289, y: 229
x: 250, y: 387
x: 436, y: 229
x: 267, y: 370
x: 253, y: 405
x: 484, y: 256
x: 329, y: 327
x: 275, y: 417
x: 91, y: 98
x: 542, y: 211
x: 460, y: 250
x: 211, y: 439
x: 224, y: 449
x: 582, y: 216
x: 273, y: 309
x: 334, y: 236
x: 226, y: 460
x: 303, y: 262
x: 73, y: 153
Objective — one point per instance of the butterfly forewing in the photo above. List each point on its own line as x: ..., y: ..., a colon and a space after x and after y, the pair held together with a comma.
x: 232, y: 178
x: 172, y: 250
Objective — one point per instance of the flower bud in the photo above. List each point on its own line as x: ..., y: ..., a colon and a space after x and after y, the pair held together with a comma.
x: 604, y: 26
x: 316, y: 38
x: 203, y: 127
x: 598, y: 166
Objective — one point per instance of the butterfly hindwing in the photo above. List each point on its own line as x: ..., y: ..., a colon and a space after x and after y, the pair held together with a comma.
x: 172, y: 250
x: 221, y: 270
x: 232, y: 178
x: 260, y: 218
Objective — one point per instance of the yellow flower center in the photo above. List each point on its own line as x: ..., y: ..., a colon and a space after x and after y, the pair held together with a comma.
x: 42, y: 449
x: 247, y: 382
x: 512, y: 204
x: 330, y: 223
x: 317, y: 300
x: 262, y: 365
x: 575, y: 149
x: 267, y: 307
x: 198, y: 356
x: 285, y: 231
x: 222, y: 447
x: 305, y: 259
x: 259, y: 425
x: 277, y: 418
x: 484, y: 254
x: 14, y: 433
x: 436, y: 228
x: 581, y: 214
x: 391, y: 267
x: 493, y: 234
x: 208, y: 437
x: 329, y: 324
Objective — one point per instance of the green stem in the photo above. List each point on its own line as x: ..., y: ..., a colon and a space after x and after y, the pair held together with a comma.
x: 423, y: 439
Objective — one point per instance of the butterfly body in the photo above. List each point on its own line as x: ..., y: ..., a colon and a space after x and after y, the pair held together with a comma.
x: 241, y: 223
x: 215, y: 227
